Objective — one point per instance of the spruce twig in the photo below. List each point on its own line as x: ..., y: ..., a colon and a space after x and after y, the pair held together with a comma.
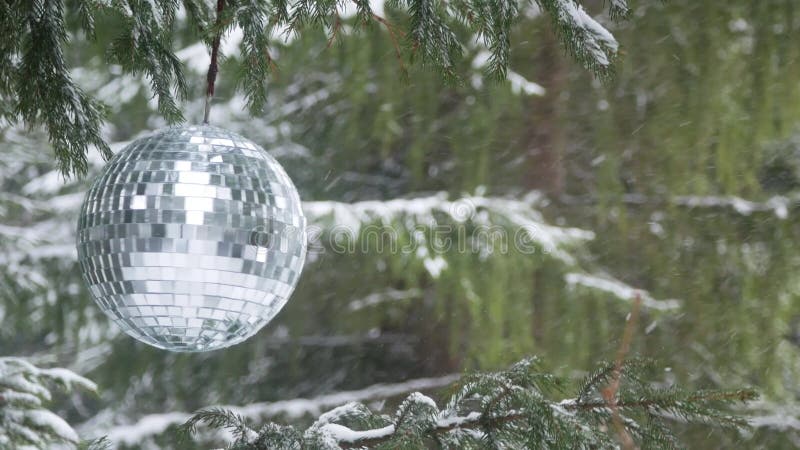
x: 507, y: 408
x: 38, y: 91
x: 610, y: 392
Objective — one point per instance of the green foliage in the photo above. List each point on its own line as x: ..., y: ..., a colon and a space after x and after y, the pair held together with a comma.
x: 689, y: 111
x: 514, y: 408
x: 780, y: 172
x: 35, y: 84
x: 101, y: 443
x: 144, y: 45
x: 36, y: 80
x: 583, y: 37
x: 24, y: 391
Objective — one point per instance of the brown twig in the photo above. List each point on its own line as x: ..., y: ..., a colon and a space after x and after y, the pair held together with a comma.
x: 610, y: 391
x: 392, y: 30
x: 213, y: 67
x: 335, y: 32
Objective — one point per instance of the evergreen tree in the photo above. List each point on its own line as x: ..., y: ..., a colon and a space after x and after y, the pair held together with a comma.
x: 24, y: 391
x: 662, y: 164
x: 508, y: 409
x: 38, y: 89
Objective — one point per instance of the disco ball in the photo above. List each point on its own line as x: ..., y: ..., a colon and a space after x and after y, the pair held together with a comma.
x: 192, y: 239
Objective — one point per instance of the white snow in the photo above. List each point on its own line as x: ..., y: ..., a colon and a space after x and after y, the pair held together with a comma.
x: 195, y: 56
x: 778, y: 205
x: 597, y: 40
x: 526, y: 224
x: 24, y: 387
x: 778, y: 421
x: 349, y: 8
x: 348, y: 409
x: 341, y: 433
x: 42, y: 418
x: 773, y: 416
x: 418, y: 397
x: 620, y: 290
x: 299, y: 407
x: 151, y: 425
x: 69, y: 378
x: 520, y: 85
x: 12, y: 397
x: 230, y: 43
x: 48, y: 183
x: 481, y: 59
x: 390, y: 295
x: 435, y: 266
x: 122, y: 89
x: 455, y: 421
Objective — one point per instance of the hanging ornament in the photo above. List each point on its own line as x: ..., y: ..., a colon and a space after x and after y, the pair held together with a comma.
x: 192, y: 239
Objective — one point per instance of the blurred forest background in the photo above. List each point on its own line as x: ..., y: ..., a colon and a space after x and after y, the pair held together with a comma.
x: 679, y: 176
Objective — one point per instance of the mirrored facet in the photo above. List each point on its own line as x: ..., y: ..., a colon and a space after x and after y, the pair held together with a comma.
x: 192, y: 239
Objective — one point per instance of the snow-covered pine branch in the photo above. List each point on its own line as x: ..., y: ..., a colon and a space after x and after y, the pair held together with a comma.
x: 498, y: 224
x: 514, y: 408
x: 25, y: 389
x: 40, y: 90
x: 583, y: 36
x: 144, y: 429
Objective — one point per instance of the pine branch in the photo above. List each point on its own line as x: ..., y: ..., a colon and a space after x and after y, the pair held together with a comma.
x: 24, y: 392
x: 45, y: 94
x: 583, y: 37
x: 511, y: 411
x: 35, y: 78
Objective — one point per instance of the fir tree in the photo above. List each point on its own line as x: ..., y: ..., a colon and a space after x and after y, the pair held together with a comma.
x: 37, y: 88
x: 514, y: 408
x: 24, y: 391
x: 524, y: 406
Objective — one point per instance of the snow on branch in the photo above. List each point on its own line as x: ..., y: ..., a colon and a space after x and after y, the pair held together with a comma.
x: 521, y: 223
x: 620, y: 290
x: 24, y: 390
x: 778, y: 205
x: 390, y: 295
x: 513, y: 408
x: 154, y: 424
x: 775, y: 417
x: 585, y: 38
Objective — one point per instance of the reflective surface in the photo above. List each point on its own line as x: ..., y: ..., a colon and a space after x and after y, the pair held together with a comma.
x: 192, y: 238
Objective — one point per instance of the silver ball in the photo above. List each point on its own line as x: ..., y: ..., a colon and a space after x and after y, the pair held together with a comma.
x: 192, y: 239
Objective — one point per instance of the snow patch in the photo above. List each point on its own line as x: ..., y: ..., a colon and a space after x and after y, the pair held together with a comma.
x: 597, y: 41
x: 778, y: 205
x: 154, y: 424
x: 620, y: 290
x: 520, y: 85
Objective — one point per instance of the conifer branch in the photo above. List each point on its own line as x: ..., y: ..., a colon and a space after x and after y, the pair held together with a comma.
x: 610, y: 392
x: 517, y: 413
x: 25, y: 391
x: 34, y: 77
x: 395, y: 43
x: 508, y: 409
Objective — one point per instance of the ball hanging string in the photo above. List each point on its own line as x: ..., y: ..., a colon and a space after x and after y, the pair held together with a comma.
x: 211, y: 78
